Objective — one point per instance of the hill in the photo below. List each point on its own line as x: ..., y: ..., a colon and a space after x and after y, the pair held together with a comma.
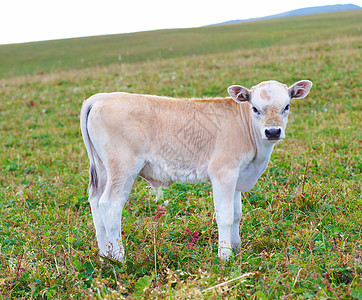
x: 299, y: 12
x: 80, y: 53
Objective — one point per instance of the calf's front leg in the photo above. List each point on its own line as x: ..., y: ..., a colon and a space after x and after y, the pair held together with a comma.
x: 235, y: 235
x: 223, y: 193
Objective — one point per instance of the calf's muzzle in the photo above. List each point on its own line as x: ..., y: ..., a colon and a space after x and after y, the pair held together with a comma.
x: 273, y: 133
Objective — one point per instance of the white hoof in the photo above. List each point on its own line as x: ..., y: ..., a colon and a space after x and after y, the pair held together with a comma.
x: 225, y: 253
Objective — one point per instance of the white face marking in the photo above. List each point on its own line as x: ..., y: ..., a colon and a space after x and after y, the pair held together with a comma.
x: 270, y: 109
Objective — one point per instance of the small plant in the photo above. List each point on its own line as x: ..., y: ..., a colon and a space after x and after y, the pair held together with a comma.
x: 192, y: 239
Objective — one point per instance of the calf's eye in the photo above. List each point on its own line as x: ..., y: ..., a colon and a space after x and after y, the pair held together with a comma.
x: 286, y: 108
x: 255, y: 110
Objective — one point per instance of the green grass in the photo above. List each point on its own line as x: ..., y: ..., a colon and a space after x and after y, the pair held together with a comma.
x: 301, y: 230
x: 50, y: 56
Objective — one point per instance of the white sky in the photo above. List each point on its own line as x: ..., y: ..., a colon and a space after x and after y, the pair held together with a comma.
x: 35, y: 20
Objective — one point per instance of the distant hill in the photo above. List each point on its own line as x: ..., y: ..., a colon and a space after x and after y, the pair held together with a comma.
x: 80, y: 53
x: 299, y: 12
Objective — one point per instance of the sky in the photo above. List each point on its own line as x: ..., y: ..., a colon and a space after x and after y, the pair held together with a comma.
x: 37, y: 20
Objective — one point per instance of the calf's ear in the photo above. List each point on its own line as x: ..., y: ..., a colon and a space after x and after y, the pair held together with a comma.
x: 300, y: 89
x: 239, y: 93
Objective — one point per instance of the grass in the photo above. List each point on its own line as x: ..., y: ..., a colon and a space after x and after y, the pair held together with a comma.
x: 301, y: 228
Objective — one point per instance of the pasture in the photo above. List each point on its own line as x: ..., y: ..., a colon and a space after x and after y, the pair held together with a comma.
x: 301, y: 229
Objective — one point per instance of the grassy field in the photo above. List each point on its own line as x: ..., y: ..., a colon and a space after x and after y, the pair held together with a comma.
x: 301, y: 229
x: 52, y: 56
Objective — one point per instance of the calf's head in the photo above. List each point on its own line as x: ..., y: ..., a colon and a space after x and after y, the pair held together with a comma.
x: 270, y: 105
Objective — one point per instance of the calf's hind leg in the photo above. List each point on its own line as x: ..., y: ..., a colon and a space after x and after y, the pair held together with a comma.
x: 98, y: 179
x: 98, y: 221
x: 120, y: 179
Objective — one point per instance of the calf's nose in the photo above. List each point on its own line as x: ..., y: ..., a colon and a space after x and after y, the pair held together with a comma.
x: 273, y: 133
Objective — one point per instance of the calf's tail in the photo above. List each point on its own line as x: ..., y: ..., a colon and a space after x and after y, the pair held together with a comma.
x: 92, y: 153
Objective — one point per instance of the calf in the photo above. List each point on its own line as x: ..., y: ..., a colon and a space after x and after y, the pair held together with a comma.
x: 225, y: 141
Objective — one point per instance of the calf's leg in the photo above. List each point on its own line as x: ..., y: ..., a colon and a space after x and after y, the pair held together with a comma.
x: 235, y: 235
x: 120, y: 178
x: 95, y: 192
x: 223, y: 192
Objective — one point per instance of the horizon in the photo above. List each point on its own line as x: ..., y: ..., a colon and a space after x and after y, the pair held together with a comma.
x: 42, y: 34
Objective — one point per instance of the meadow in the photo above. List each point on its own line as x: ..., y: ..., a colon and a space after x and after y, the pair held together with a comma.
x: 80, y: 53
x: 301, y: 229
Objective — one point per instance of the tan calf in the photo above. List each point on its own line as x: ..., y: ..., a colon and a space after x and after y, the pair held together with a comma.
x: 226, y: 141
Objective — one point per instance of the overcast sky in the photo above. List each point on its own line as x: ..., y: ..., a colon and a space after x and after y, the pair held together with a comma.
x: 35, y: 20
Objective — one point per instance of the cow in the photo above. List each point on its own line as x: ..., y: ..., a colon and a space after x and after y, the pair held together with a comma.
x: 225, y: 141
